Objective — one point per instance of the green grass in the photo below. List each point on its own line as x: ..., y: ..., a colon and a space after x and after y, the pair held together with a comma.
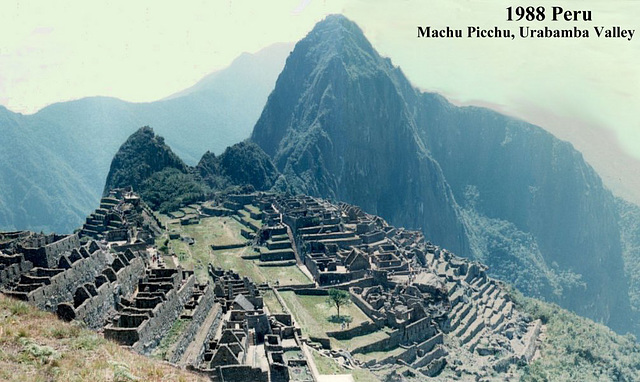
x: 314, y: 317
x: 178, y: 327
x: 327, y: 366
x: 36, y: 346
x: 215, y: 230
x: 224, y: 231
x: 232, y: 259
x: 252, y: 208
x: 272, y: 302
x: 177, y: 214
x: 248, y: 218
x: 289, y: 275
x: 189, y: 210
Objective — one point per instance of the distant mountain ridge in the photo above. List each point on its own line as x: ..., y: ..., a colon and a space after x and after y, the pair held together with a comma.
x: 55, y: 161
x: 344, y: 123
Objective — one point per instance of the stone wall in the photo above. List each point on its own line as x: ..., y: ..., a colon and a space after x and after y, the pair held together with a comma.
x: 418, y: 354
x: 143, y: 321
x: 228, y: 246
x: 277, y: 255
x: 11, y: 267
x: 234, y: 373
x: 95, y: 310
x: 152, y: 330
x: 373, y: 314
x: 210, y: 333
x: 531, y: 341
x: 48, y: 255
x: 63, y: 285
x: 414, y: 332
x: 311, y: 292
x: 360, y: 330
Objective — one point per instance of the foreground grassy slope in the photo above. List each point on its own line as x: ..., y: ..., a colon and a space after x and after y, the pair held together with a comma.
x: 36, y: 346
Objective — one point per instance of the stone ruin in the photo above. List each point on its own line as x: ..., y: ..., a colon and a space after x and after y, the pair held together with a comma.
x: 443, y: 312
x: 422, y: 292
x: 122, y: 217
x: 250, y: 344
x: 105, y: 276
x: 147, y: 316
x: 82, y: 282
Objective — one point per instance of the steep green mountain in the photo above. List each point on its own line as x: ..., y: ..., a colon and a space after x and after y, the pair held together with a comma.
x: 142, y: 155
x: 344, y: 123
x: 337, y: 126
x: 630, y: 235
x: 520, y: 173
x: 55, y: 161
x: 146, y: 163
x: 240, y: 164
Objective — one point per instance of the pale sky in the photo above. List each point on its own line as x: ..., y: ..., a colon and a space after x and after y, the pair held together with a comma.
x: 53, y: 51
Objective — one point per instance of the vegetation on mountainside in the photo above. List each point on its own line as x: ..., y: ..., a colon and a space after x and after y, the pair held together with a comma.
x: 630, y: 237
x: 142, y: 155
x: 578, y: 349
x: 36, y: 346
x: 243, y: 163
x: 170, y: 189
x: 514, y: 256
x: 166, y: 183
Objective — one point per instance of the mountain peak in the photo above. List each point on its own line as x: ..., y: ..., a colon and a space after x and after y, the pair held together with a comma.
x: 338, y: 125
x: 337, y: 21
x: 338, y: 37
x: 143, y: 154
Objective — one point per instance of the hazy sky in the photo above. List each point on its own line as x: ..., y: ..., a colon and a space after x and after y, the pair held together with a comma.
x: 145, y: 50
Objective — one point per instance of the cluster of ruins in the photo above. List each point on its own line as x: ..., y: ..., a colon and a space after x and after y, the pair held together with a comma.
x: 433, y: 305
x: 403, y: 282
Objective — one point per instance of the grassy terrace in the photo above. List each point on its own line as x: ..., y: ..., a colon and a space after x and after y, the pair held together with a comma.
x: 252, y: 208
x: 36, y: 346
x: 247, y: 216
x: 379, y: 355
x: 314, y: 317
x: 232, y: 259
x: 224, y: 231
